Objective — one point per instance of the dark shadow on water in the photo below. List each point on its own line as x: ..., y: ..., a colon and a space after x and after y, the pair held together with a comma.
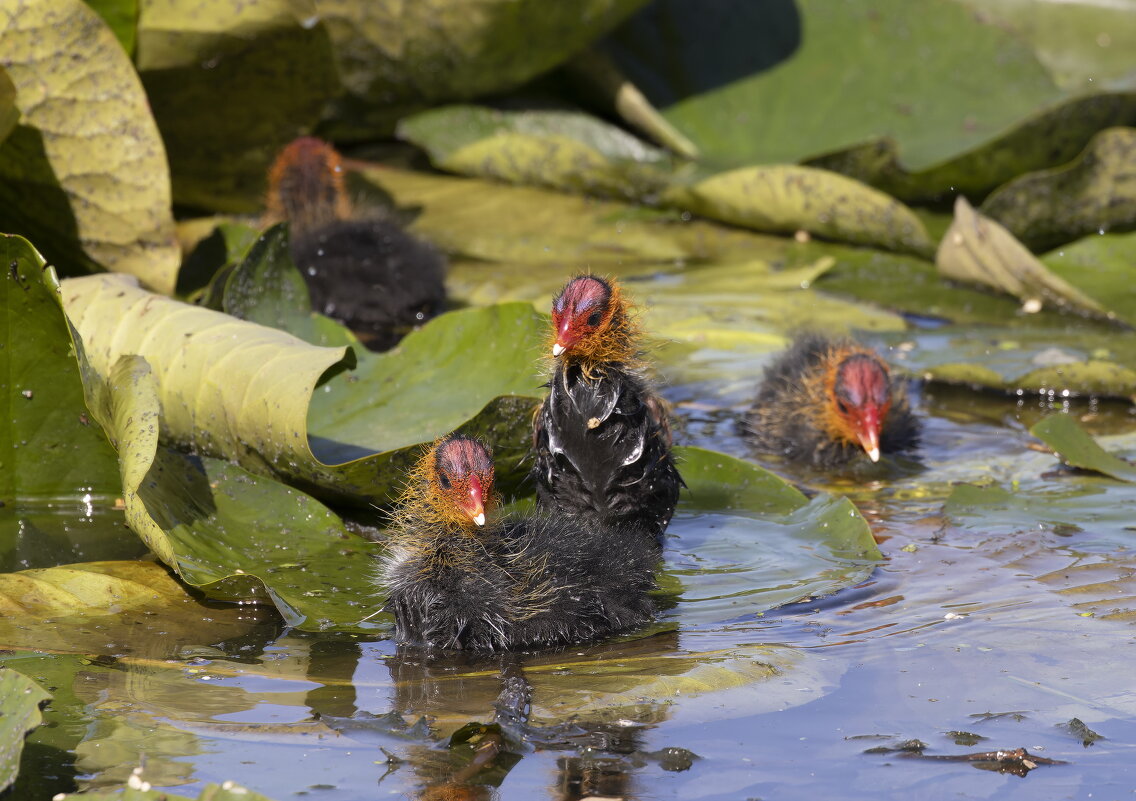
x: 664, y: 48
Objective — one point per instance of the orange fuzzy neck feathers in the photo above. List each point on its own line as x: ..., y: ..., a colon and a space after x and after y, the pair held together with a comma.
x: 305, y: 185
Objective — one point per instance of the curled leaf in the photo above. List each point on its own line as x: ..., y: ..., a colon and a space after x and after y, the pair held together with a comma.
x: 977, y: 250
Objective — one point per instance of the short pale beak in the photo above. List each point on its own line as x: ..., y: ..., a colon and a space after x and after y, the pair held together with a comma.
x: 557, y: 349
x: 869, y: 433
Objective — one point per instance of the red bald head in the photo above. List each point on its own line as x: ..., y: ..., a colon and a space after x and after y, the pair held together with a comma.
x: 463, y: 477
x: 861, y: 397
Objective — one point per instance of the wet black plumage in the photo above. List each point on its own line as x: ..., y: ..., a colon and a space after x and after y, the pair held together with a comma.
x: 601, y: 440
x: 361, y: 269
x: 531, y: 582
x: 829, y: 402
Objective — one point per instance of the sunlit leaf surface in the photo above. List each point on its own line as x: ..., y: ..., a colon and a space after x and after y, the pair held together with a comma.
x: 84, y: 172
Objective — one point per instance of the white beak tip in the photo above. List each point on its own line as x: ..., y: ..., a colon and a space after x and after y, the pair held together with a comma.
x: 479, y: 518
x: 557, y: 349
x: 874, y: 454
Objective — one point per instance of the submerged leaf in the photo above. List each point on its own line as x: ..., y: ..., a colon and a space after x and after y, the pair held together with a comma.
x: 785, y: 199
x: 1096, y: 192
x: 20, y: 699
x: 1077, y: 448
x: 84, y: 173
x: 976, y: 249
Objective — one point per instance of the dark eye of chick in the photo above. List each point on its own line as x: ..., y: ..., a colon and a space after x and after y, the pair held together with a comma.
x: 444, y: 480
x: 842, y: 406
x: 594, y: 319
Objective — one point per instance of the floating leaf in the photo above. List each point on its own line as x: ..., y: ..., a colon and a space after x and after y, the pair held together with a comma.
x: 84, y: 173
x: 51, y: 450
x: 792, y: 81
x: 978, y: 250
x: 85, y: 590
x: 1100, y: 266
x: 20, y: 698
x: 267, y: 288
x: 1077, y: 448
x: 558, y: 149
x: 259, y: 72
x: 1096, y: 192
x: 394, y: 58
x: 240, y: 391
x: 223, y: 529
x: 784, y: 199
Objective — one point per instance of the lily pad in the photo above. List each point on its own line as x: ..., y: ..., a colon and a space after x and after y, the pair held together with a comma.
x: 240, y: 391
x: 69, y: 172
x: 85, y: 590
x: 1077, y: 448
x: 558, y: 149
x: 1101, y: 267
x: 259, y: 72
x: 779, y: 75
x: 9, y: 113
x: 51, y: 450
x: 232, y: 533
x: 1096, y: 192
x: 121, y: 16
x: 395, y: 58
x: 20, y: 699
x: 976, y: 249
x: 784, y: 199
x: 267, y: 288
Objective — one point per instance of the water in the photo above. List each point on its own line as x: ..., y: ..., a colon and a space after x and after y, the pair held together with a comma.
x: 990, y: 620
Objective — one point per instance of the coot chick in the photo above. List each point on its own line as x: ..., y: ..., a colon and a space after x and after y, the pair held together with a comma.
x: 829, y: 402
x: 601, y: 439
x: 361, y: 269
x: 456, y: 578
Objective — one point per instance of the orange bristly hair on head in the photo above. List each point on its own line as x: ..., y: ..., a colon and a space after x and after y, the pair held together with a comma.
x: 616, y: 338
x: 427, y: 502
x: 837, y: 426
x: 305, y: 185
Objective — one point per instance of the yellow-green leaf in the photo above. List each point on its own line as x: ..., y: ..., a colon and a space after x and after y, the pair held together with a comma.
x: 84, y: 172
x: 9, y: 114
x: 785, y: 199
x: 20, y: 698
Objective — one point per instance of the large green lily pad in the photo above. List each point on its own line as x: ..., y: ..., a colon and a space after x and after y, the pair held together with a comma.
x: 395, y: 57
x: 84, y: 173
x: 233, y: 533
x: 259, y: 72
x: 241, y: 391
x: 1096, y: 192
x: 558, y: 149
x: 51, y: 450
x: 1101, y: 267
x: 20, y: 698
x: 787, y: 82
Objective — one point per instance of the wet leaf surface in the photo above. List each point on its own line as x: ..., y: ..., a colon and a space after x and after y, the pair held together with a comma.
x: 69, y: 172
x: 259, y: 72
x: 1078, y: 449
x: 20, y: 699
x: 1095, y: 192
x: 52, y: 451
